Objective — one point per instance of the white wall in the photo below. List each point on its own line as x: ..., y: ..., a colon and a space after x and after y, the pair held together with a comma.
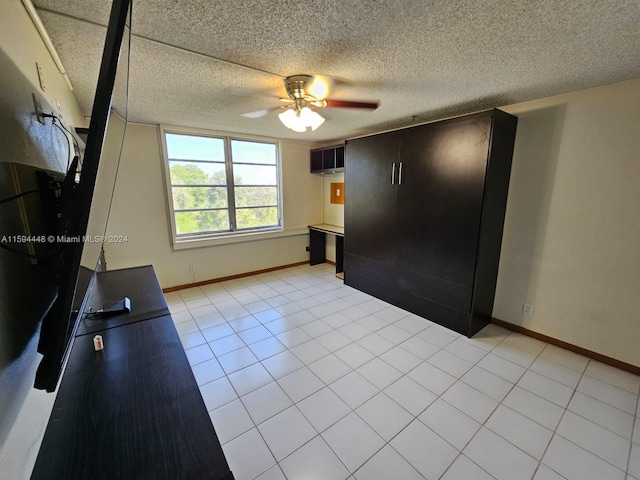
x: 140, y: 212
x: 571, y: 243
x: 107, y: 171
x: 333, y: 214
x: 21, y: 41
x: 24, y: 422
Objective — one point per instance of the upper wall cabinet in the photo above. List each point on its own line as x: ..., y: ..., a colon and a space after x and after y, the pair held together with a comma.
x: 327, y: 160
x: 424, y: 211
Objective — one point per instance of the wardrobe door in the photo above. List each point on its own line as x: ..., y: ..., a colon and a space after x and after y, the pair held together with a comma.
x: 370, y: 198
x: 439, y: 208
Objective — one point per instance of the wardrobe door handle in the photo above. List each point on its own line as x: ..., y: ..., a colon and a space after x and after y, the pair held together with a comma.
x: 400, y: 174
x: 393, y: 173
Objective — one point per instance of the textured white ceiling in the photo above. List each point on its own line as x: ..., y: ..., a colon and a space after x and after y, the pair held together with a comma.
x: 428, y: 59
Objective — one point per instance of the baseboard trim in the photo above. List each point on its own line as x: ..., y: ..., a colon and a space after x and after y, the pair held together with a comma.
x: 330, y: 262
x: 232, y: 277
x: 568, y: 346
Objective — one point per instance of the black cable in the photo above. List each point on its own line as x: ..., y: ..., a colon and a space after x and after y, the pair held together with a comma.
x: 28, y: 192
x: 23, y: 194
x: 54, y: 124
x: 66, y: 137
x: 75, y: 141
x: 55, y: 120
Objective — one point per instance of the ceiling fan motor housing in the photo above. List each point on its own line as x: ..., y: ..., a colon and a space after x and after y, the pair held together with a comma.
x: 296, y: 87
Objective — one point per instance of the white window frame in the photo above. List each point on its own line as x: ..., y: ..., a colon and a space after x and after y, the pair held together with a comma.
x: 217, y: 238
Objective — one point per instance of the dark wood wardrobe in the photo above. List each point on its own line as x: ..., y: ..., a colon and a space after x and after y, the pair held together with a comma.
x: 424, y: 211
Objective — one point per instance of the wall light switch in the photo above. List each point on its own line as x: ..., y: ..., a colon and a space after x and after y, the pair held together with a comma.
x: 337, y: 193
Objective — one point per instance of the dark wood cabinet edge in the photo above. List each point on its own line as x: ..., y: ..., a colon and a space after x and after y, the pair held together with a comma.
x: 232, y: 277
x: 463, y: 323
x: 327, y: 171
x: 568, y: 346
x: 457, y: 118
x: 328, y: 147
x: 332, y: 171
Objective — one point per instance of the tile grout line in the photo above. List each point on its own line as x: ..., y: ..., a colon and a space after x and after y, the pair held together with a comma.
x: 553, y: 433
x: 294, y: 404
x: 439, y: 397
x: 318, y: 434
x: 481, y: 425
x: 633, y: 428
x: 404, y: 375
x: 315, y: 284
x: 255, y: 426
x: 352, y: 410
x: 566, y: 409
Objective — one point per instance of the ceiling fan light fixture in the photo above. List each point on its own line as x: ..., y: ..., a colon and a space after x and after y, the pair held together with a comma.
x: 300, y: 120
x: 288, y: 118
x: 310, y: 118
x: 299, y: 128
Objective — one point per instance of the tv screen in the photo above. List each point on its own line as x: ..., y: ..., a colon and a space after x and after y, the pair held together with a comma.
x: 77, y: 255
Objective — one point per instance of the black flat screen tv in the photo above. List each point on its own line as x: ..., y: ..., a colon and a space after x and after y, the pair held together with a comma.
x: 75, y: 199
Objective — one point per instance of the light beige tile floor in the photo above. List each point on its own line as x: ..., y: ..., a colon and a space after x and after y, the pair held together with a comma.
x: 306, y: 378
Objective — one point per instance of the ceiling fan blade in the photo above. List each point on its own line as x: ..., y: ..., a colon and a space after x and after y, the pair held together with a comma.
x: 350, y: 104
x: 256, y: 114
x: 260, y: 113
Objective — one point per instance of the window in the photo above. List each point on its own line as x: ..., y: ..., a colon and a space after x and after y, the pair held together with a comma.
x: 221, y: 185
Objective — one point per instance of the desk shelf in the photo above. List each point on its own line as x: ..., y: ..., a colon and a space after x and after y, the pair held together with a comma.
x: 318, y: 242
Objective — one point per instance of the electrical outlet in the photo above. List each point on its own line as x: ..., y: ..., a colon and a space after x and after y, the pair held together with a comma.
x: 307, y: 248
x: 192, y: 269
x: 527, y: 309
x: 38, y: 106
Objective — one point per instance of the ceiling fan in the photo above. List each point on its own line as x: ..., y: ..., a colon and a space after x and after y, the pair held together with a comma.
x: 306, y: 94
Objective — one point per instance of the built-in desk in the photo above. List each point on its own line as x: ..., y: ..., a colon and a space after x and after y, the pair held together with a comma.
x: 318, y: 242
x: 133, y: 410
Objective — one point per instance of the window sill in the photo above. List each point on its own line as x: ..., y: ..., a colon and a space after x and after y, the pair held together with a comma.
x: 230, y: 238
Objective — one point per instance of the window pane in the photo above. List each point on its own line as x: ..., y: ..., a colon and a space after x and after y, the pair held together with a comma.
x: 256, y: 217
x: 254, y: 175
x: 202, y: 222
x: 185, y: 198
x: 190, y: 147
x: 197, y: 173
x: 256, y: 196
x: 253, y: 152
